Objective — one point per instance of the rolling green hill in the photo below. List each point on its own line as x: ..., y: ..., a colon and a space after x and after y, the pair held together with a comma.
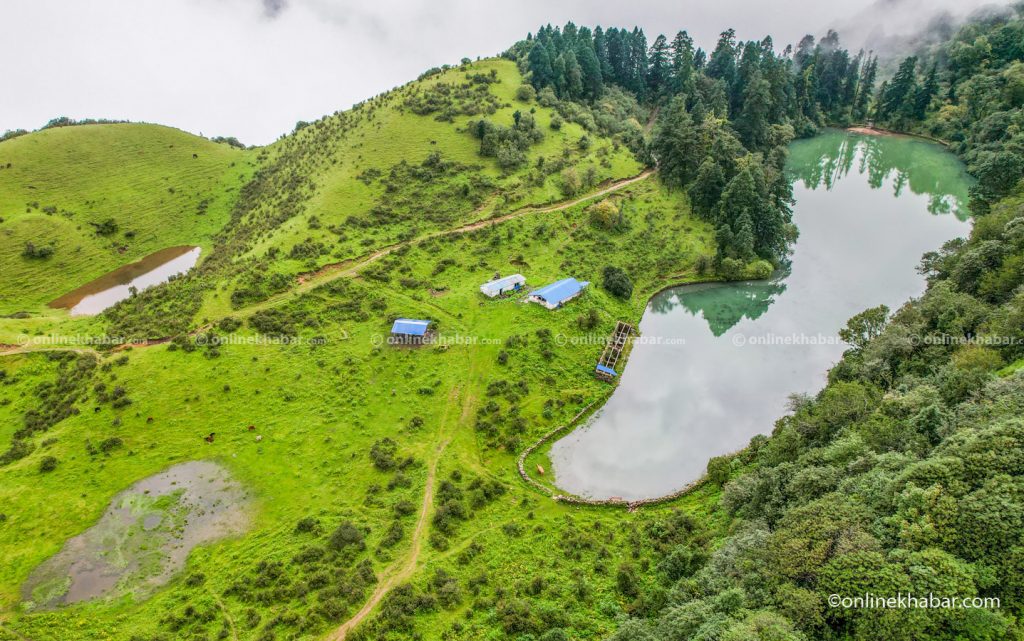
x: 382, y: 496
x: 161, y: 187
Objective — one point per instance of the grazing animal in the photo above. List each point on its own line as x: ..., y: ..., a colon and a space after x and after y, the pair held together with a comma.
x: 259, y: 437
x: 195, y: 155
x: 149, y: 420
x: 252, y: 428
x: 209, y: 439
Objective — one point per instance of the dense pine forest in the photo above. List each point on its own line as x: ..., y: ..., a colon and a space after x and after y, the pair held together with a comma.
x: 380, y: 485
x: 904, y: 473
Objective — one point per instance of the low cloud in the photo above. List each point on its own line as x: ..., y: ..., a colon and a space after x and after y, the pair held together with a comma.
x: 252, y: 69
x: 273, y: 8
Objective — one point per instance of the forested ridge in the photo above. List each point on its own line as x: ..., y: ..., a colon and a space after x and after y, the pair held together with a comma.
x: 724, y: 121
x: 904, y: 475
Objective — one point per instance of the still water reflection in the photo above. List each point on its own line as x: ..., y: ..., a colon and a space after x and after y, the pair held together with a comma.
x: 867, y: 207
x: 95, y: 296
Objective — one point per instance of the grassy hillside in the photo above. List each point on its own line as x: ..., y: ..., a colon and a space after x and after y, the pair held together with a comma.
x: 161, y: 187
x: 379, y: 136
x: 320, y: 403
x: 386, y: 504
x: 388, y: 192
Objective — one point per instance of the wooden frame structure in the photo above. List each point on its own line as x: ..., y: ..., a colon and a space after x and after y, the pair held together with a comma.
x: 605, y: 368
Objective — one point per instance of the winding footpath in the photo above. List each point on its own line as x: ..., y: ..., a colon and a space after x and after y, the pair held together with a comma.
x: 402, y: 569
x: 352, y: 267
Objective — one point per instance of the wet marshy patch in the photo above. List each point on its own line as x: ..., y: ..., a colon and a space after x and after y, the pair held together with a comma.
x: 144, y: 537
x: 97, y: 295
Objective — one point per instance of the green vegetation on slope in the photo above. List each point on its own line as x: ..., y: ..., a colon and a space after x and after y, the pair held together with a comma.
x: 324, y: 408
x: 104, y: 195
x: 903, y: 473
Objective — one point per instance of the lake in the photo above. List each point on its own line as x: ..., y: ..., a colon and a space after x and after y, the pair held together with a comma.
x: 97, y: 295
x: 867, y: 208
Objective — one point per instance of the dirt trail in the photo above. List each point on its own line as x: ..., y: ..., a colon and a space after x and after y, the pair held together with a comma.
x: 331, y: 272
x: 403, y: 569
x: 8, y: 350
x: 334, y: 271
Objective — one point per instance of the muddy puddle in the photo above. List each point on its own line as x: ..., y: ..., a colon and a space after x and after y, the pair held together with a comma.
x: 96, y: 296
x: 144, y: 537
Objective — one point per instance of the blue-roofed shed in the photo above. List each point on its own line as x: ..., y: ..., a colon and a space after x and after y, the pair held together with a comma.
x: 607, y: 371
x: 409, y: 327
x: 558, y: 293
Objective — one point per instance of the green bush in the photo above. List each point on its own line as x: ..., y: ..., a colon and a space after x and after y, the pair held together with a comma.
x: 526, y: 93
x: 617, y: 283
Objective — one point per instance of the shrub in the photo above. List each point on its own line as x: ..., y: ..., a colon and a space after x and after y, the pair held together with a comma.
x: 571, y: 182
x: 47, y: 464
x: 347, y: 535
x: 106, y: 228
x: 604, y: 214
x: 229, y: 324
x: 526, y: 93
x: 617, y: 283
x: 382, y: 452
x: 732, y: 269
x: 37, y: 251
x: 307, y: 524
x: 760, y: 269
x: 589, y: 320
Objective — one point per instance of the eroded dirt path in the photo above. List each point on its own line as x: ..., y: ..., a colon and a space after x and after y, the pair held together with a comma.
x: 348, y: 268
x: 333, y: 271
x: 403, y: 569
x: 456, y: 412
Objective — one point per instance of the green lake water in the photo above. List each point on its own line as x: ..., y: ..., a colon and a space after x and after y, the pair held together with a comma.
x: 717, y: 362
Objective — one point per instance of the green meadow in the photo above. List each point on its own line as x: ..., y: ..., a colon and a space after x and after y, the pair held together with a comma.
x: 345, y: 431
x: 380, y: 489
x: 160, y: 186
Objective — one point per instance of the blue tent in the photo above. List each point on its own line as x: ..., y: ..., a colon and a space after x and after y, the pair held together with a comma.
x: 558, y: 292
x: 410, y: 327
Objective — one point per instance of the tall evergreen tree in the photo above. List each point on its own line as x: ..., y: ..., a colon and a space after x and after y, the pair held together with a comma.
x: 682, y: 63
x: 897, y: 101
x: 865, y: 88
x: 601, y: 50
x: 539, y: 63
x: 638, y: 63
x: 803, y: 57
x: 752, y: 122
x: 926, y: 92
x: 722, y: 64
x: 590, y: 66
x: 573, y: 84
x: 675, y: 144
x: 659, y: 72
x: 707, y: 187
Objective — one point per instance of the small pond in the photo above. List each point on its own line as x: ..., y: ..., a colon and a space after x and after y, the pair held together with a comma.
x: 144, y: 537
x: 95, y: 296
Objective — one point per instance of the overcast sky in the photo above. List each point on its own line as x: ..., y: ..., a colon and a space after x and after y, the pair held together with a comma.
x: 252, y: 68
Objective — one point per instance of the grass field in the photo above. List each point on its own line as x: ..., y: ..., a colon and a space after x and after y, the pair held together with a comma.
x: 161, y: 186
x: 346, y: 431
